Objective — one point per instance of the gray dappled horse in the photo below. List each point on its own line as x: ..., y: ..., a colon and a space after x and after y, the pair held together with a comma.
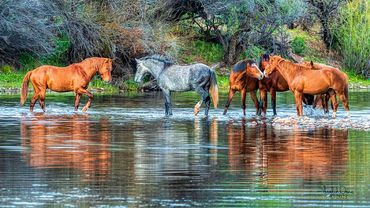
x: 180, y: 78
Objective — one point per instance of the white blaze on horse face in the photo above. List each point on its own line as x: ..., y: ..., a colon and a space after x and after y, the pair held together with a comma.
x: 141, y: 69
x: 261, y: 74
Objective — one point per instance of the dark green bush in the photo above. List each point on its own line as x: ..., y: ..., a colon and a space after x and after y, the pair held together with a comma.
x: 299, y: 45
x: 252, y: 52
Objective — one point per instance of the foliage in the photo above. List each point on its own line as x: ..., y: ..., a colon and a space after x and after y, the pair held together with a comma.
x: 59, y: 57
x: 99, y: 84
x: 6, y: 69
x: 353, y: 34
x: 299, y: 45
x: 203, y: 51
x: 31, y: 27
x: 236, y: 25
x: 11, y: 80
x: 223, y: 82
x: 253, y: 53
x: 130, y: 85
x: 326, y: 12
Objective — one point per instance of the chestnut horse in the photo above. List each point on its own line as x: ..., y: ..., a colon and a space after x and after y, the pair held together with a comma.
x: 302, y: 79
x: 274, y: 83
x: 75, y: 77
x: 323, y: 98
x: 244, y: 78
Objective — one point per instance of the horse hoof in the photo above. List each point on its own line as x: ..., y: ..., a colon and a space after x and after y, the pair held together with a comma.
x: 196, y: 111
x: 84, y: 109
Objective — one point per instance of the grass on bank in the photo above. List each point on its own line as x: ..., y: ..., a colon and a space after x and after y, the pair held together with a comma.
x: 14, y: 80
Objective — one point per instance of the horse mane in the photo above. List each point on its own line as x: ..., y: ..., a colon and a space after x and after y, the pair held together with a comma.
x: 300, y: 66
x: 92, y: 60
x: 265, y: 57
x: 167, y: 61
x: 241, y: 65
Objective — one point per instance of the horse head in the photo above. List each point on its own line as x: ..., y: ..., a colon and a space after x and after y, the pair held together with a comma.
x: 264, y: 61
x: 141, y: 70
x: 105, y: 69
x: 253, y: 70
x: 153, y: 64
x: 274, y: 61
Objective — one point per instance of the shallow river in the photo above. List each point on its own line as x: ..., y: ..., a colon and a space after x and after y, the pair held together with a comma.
x: 125, y: 153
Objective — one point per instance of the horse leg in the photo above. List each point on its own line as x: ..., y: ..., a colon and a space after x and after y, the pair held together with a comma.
x: 205, y: 98
x: 263, y: 95
x: 77, y: 100
x: 298, y: 100
x: 33, y: 101
x: 167, y: 103
x: 273, y: 101
x: 229, y: 98
x: 334, y: 102
x: 42, y: 95
x: 315, y: 101
x: 207, y: 101
x: 88, y: 94
x: 244, y: 96
x: 344, y: 100
x: 253, y: 95
x: 324, y: 102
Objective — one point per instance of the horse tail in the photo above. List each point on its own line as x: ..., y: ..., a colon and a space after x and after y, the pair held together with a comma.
x: 24, y: 90
x: 214, y: 88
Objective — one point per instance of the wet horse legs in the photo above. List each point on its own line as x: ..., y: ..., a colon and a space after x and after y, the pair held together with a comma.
x: 273, y: 101
x: 263, y: 107
x: 334, y: 102
x: 253, y: 95
x: 167, y: 104
x: 298, y: 101
x: 39, y: 95
x: 79, y: 92
x: 229, y: 98
x: 77, y: 101
x: 205, y: 98
x: 42, y: 95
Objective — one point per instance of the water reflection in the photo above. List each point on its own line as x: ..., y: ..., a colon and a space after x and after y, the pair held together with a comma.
x: 312, y: 155
x: 69, y: 141
x: 112, y: 157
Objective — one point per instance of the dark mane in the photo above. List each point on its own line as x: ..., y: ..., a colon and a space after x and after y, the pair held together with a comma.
x: 264, y: 57
x: 167, y: 61
x: 242, y: 65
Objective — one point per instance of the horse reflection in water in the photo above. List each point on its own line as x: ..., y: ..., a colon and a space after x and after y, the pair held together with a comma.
x: 67, y: 142
x: 171, y: 155
x: 283, y: 157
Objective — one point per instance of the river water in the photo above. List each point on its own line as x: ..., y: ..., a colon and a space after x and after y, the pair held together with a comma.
x: 125, y: 153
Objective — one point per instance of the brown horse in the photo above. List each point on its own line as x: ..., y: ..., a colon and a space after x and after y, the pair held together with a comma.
x: 322, y: 98
x: 302, y: 79
x: 244, y: 78
x: 274, y: 83
x: 75, y: 77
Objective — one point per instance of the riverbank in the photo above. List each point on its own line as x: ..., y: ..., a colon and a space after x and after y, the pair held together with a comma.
x: 12, y: 82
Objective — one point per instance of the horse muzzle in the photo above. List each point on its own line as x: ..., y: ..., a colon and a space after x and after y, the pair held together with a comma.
x: 260, y: 77
x: 137, y: 80
x: 109, y: 80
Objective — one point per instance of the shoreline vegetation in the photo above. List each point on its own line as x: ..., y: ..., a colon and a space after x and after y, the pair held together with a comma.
x: 12, y: 82
x: 331, y: 32
x: 307, y: 46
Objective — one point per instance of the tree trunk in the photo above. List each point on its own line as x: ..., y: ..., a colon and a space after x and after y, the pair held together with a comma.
x: 326, y: 32
x: 234, y: 50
